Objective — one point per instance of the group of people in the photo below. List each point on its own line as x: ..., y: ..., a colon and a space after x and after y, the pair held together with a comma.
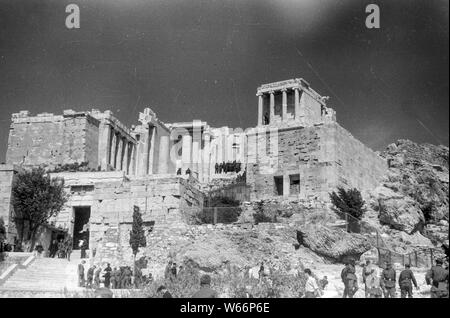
x: 115, y: 278
x: 384, y: 285
x: 226, y: 167
x: 61, y: 248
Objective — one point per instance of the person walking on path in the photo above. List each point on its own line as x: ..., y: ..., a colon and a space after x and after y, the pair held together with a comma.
x: 405, y: 282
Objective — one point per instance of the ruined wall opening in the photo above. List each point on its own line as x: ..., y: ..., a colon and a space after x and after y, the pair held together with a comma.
x: 81, y: 216
x: 278, y: 185
x: 294, y: 184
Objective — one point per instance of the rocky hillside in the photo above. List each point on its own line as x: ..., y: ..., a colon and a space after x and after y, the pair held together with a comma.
x: 411, y: 206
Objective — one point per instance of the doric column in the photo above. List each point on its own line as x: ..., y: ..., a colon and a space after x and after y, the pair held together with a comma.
x: 260, y: 108
x: 118, y: 164
x: 132, y: 160
x: 186, y: 152
x: 272, y: 106
x: 125, y: 157
x: 163, y: 159
x: 146, y: 150
x: 206, y: 156
x: 112, y: 158
x: 104, y: 145
x: 284, y: 105
x: 297, y: 103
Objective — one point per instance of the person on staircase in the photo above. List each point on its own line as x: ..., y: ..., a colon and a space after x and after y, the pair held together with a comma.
x: 68, y: 246
x: 53, y: 248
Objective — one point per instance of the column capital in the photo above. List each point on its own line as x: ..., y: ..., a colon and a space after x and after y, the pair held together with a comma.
x: 295, y: 88
x: 283, y: 90
x: 259, y: 94
x: 271, y: 92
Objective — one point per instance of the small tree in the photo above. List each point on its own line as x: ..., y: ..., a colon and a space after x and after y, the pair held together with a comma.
x: 137, y: 234
x: 36, y: 198
x: 349, y: 202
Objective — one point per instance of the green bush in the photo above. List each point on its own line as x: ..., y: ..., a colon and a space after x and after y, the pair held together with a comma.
x: 348, y: 202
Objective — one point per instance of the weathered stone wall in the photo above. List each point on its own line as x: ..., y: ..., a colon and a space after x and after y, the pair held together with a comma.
x: 357, y: 165
x: 324, y: 156
x: 7, y: 173
x: 47, y: 139
x: 165, y: 202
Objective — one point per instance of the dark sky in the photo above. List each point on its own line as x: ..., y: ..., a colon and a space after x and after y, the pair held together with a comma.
x: 203, y: 59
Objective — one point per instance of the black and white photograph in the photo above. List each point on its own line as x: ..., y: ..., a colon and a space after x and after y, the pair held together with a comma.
x: 242, y: 150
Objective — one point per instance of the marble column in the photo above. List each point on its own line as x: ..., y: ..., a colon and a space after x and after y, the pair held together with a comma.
x: 272, y: 107
x: 125, y: 157
x: 284, y: 105
x: 163, y: 160
x: 297, y: 103
x: 260, y: 108
x: 118, y: 164
x: 206, y: 155
x: 131, y: 159
x: 186, y: 152
x: 146, y: 150
x: 112, y: 158
x: 104, y: 145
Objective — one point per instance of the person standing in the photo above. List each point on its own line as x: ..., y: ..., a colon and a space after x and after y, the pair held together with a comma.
x: 90, y: 276
x: 405, y: 282
x: 69, y: 247
x: 205, y: 288
x: 107, y: 275
x: 367, y: 271
x: 113, y: 278
x: 53, y: 248
x: 97, y: 277
x: 349, y: 279
x: 388, y: 278
x: 312, y: 290
x: 437, y: 277
x: 81, y: 280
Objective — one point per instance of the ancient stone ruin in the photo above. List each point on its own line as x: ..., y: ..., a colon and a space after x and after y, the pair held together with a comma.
x: 297, y: 151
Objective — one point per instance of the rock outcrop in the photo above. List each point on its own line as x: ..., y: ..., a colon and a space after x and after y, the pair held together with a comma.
x: 420, y: 171
x: 398, y: 211
x: 414, y: 196
x: 333, y: 243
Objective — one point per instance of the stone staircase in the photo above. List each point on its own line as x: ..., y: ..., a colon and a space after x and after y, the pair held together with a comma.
x: 45, y: 275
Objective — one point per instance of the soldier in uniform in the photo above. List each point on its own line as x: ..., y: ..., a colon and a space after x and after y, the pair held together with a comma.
x: 437, y: 277
x: 97, y: 277
x: 388, y: 278
x: 107, y: 275
x: 367, y: 271
x: 205, y: 289
x: 404, y: 282
x: 349, y: 279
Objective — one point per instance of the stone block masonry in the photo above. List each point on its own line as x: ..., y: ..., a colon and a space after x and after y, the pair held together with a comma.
x: 48, y: 139
x: 110, y: 196
x: 310, y: 162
